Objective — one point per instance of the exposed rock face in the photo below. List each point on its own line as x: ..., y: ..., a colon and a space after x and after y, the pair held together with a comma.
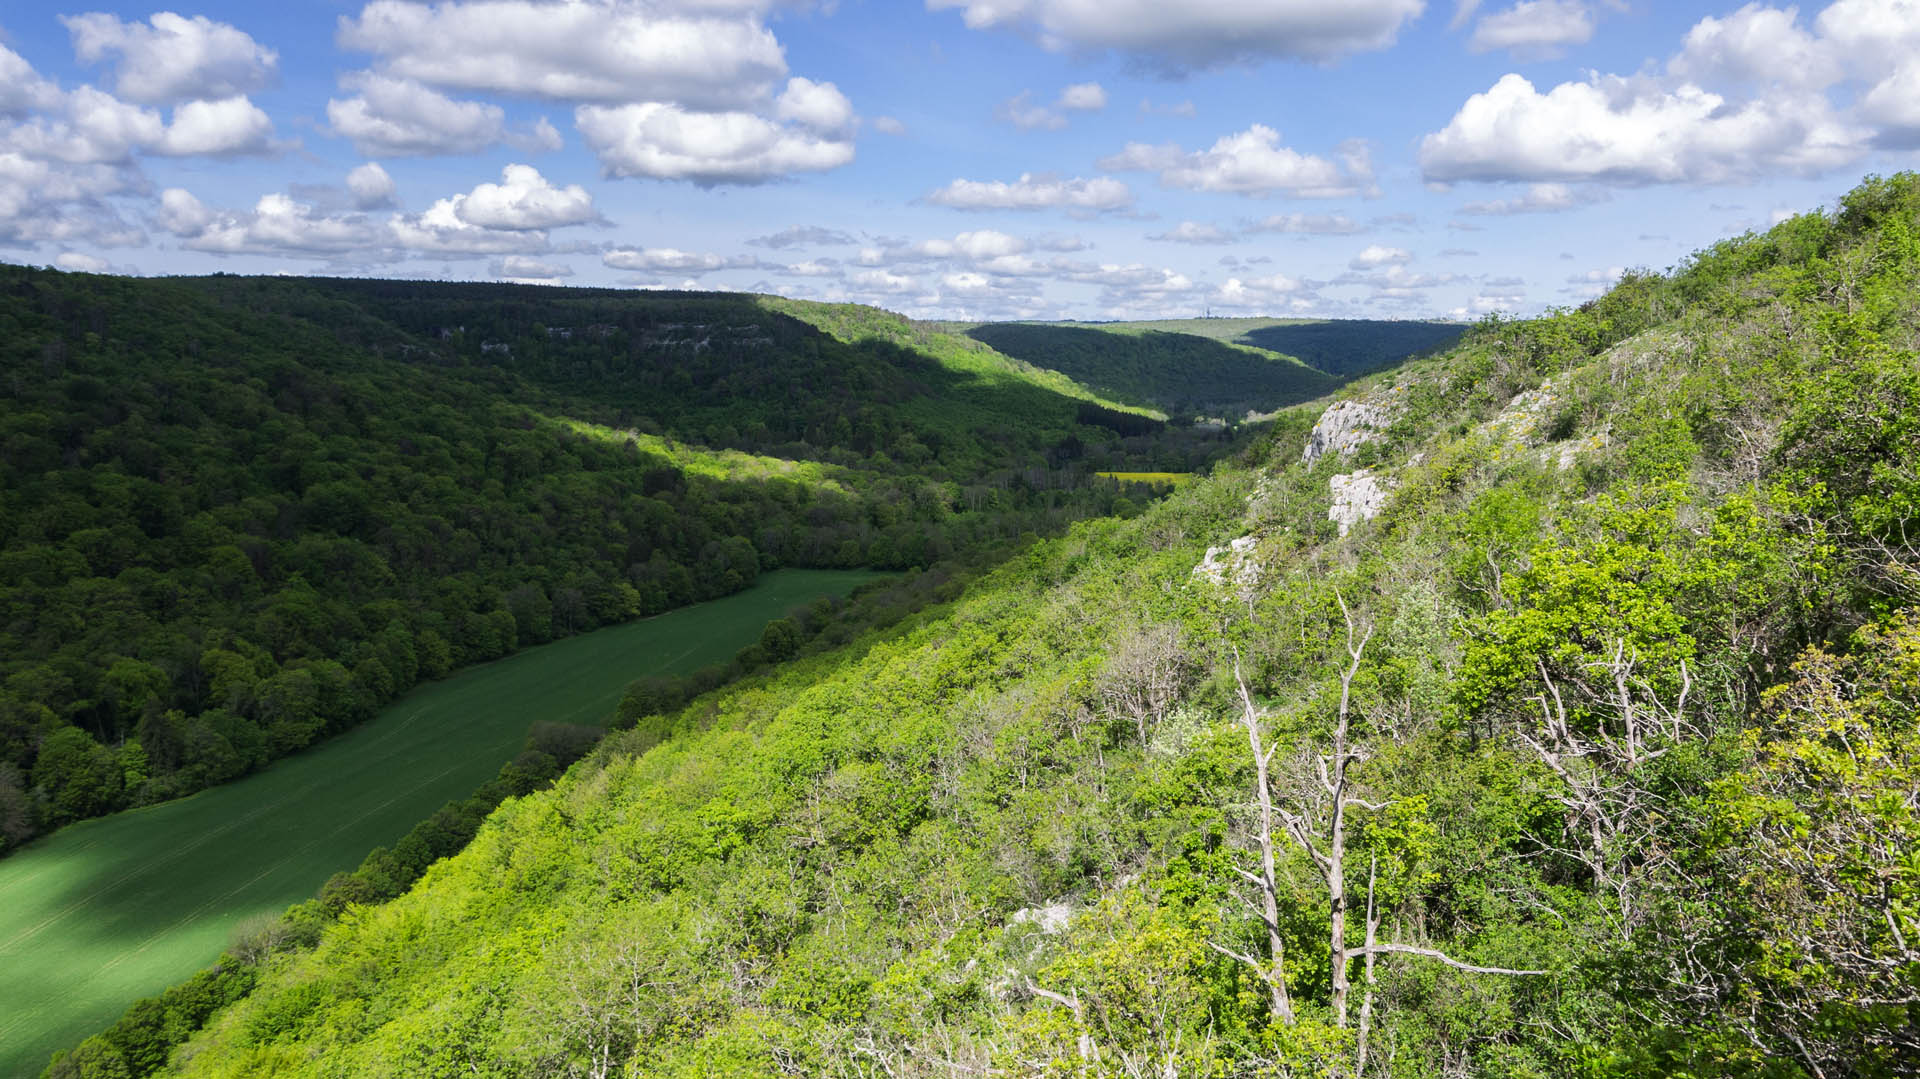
x: 1357, y: 496
x: 1345, y: 427
x: 1232, y: 564
x: 1523, y: 418
x: 1051, y: 919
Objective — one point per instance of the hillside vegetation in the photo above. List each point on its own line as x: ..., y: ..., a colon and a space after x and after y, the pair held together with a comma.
x: 238, y: 515
x: 1220, y: 367
x: 1594, y: 753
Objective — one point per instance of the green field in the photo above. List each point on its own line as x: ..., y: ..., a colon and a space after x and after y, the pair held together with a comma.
x: 107, y: 911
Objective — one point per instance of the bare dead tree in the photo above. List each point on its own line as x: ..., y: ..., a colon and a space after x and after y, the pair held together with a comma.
x: 1273, y: 971
x: 1317, y: 824
x: 1145, y: 675
x: 1598, y: 750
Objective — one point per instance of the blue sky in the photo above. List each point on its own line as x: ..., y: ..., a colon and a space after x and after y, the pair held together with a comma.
x: 948, y: 158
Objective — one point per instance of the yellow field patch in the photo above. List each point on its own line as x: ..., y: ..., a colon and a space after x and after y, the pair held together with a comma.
x: 1175, y: 478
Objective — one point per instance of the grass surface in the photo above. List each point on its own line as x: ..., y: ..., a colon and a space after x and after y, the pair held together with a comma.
x: 107, y: 911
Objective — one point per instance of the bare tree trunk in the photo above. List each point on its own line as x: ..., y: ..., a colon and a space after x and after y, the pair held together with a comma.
x: 1366, y: 998
x: 1334, y: 865
x: 1274, y: 973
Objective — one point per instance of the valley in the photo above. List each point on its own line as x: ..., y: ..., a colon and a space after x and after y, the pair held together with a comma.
x: 111, y: 910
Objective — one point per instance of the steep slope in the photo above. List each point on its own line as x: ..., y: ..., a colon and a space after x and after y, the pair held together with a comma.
x: 1216, y: 366
x: 238, y: 515
x: 1547, y: 708
x: 1180, y: 373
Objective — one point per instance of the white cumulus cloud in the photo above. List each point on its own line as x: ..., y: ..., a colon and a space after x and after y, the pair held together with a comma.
x: 1036, y: 192
x: 1251, y: 162
x: 673, y: 260
x: 524, y: 199
x: 524, y: 268
x: 173, y: 58
x: 1633, y: 131
x: 666, y: 142
x: 1376, y: 255
x: 600, y: 51
x: 370, y: 187
x: 1193, y: 232
x: 1534, y: 28
x: 392, y: 117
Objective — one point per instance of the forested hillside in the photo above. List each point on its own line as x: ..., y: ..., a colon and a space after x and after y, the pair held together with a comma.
x: 1221, y: 367
x: 238, y: 515
x: 1549, y: 709
x: 1182, y: 374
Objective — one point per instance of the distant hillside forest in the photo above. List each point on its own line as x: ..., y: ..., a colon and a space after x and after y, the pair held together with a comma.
x: 1226, y: 367
x: 238, y: 515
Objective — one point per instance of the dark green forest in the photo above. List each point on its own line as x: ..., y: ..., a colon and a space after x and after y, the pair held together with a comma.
x: 238, y: 515
x: 1594, y: 753
x: 1181, y: 374
x: 1226, y: 367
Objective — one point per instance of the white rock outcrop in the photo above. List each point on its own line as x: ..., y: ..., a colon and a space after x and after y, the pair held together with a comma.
x: 1343, y: 428
x: 1233, y: 564
x: 1357, y: 496
x: 1051, y: 919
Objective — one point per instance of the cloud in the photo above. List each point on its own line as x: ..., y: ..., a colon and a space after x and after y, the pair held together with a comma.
x: 402, y: 118
x: 1539, y: 198
x: 79, y: 262
x: 882, y: 281
x: 819, y: 107
x: 1375, y: 255
x: 442, y: 230
x: 89, y: 126
x: 222, y: 128
x: 22, y: 90
x: 1260, y: 291
x: 1021, y: 112
x: 1036, y: 192
x: 525, y: 200
x: 1308, y: 224
x: 1753, y: 46
x: 1194, y: 232
x: 1750, y: 93
x: 887, y: 125
x: 522, y: 268
x: 370, y: 186
x: 592, y: 51
x: 672, y: 260
x: 1397, y: 280
x: 1534, y: 29
x: 1251, y: 162
x: 1084, y: 97
x: 812, y: 268
x: 277, y: 225
x: 173, y: 58
x: 1200, y: 33
x: 1633, y: 131
x: 666, y: 142
x: 804, y: 236
x: 1593, y: 283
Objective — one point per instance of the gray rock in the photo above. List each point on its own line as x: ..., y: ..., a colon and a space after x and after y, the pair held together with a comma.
x: 1357, y: 496
x: 1344, y: 428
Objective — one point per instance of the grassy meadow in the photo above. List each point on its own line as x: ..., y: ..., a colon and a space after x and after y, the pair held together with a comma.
x: 113, y: 909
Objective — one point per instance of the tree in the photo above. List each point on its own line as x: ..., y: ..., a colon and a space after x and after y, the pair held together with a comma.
x: 1312, y: 814
x: 81, y: 777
